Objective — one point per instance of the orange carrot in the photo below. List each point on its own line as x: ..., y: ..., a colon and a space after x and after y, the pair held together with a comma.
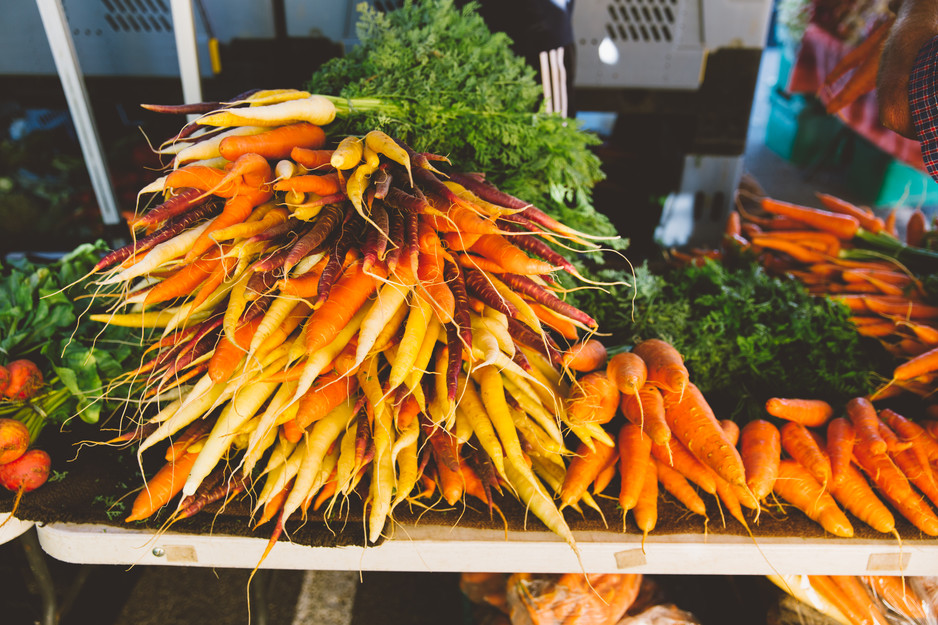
x: 348, y: 295
x: 795, y: 249
x: 628, y: 371
x: 865, y: 422
x: 895, y: 487
x: 842, y: 226
x: 856, y: 495
x: 433, y: 284
x: 896, y: 592
x: 585, y: 356
x: 554, y: 320
x: 606, y: 475
x: 809, y: 412
x: 926, y: 362
x: 325, y: 184
x: 825, y: 586
x: 901, y: 306
x: 646, y: 507
x: 184, y: 282
x: 163, y: 486
x: 582, y: 471
x: 646, y: 410
x: 839, y: 447
x: 867, y: 220
x: 692, y: 421
x: 921, y: 475
x: 676, y: 456
x: 228, y: 354
x: 634, y: 454
x: 509, y: 257
x: 798, y: 487
x: 664, y: 363
x: 893, y: 443
x: 594, y: 399
x: 853, y: 588
x: 923, y: 445
x: 729, y: 497
x: 760, y: 449
x: 236, y: 210
x: 275, y: 143
x: 328, y: 392
x: 676, y: 484
x: 803, y: 448
x: 312, y: 158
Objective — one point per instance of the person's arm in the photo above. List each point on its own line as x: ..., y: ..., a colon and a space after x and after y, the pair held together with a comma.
x: 916, y: 25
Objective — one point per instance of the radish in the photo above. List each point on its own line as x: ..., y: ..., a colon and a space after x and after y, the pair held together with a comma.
x: 25, y: 380
x: 25, y: 474
x: 14, y: 439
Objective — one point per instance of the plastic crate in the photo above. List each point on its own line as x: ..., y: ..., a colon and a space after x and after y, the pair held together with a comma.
x: 879, y: 179
x: 800, y: 131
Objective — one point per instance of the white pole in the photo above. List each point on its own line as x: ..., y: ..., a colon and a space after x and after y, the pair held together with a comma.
x: 73, y: 83
x: 187, y: 51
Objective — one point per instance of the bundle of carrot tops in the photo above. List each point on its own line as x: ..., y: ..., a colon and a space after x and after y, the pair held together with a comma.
x: 315, y: 315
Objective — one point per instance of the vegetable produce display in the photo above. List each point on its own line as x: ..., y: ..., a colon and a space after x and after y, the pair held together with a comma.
x: 858, y: 600
x: 314, y: 327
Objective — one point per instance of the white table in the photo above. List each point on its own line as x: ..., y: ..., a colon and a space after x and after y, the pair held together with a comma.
x: 439, y: 549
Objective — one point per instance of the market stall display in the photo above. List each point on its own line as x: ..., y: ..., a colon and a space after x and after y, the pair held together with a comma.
x: 351, y: 339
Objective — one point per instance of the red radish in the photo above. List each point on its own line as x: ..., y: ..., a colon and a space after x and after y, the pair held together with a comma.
x: 25, y: 380
x: 25, y: 474
x: 4, y: 379
x: 14, y: 439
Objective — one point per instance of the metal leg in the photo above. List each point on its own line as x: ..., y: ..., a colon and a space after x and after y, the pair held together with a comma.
x: 37, y: 564
x: 258, y: 595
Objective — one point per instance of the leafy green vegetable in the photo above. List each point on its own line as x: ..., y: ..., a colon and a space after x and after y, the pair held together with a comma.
x: 39, y: 320
x: 437, y: 78
x: 747, y: 336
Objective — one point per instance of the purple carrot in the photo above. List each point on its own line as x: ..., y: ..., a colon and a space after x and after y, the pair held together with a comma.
x: 457, y: 284
x: 167, y: 232
x: 395, y: 238
x: 351, y: 228
x: 376, y: 239
x: 329, y: 218
x: 224, y: 489
x: 184, y: 200
x: 478, y: 284
x: 364, y: 441
x: 439, y: 442
x: 271, y: 262
x: 257, y: 308
x: 527, y: 286
x: 411, y: 246
x: 529, y: 242
x: 196, y: 108
x: 262, y: 283
x: 454, y: 360
x: 525, y: 335
x: 521, y: 360
x: 381, y: 182
x: 406, y: 202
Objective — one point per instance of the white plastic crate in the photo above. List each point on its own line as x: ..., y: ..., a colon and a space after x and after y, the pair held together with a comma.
x: 660, y: 43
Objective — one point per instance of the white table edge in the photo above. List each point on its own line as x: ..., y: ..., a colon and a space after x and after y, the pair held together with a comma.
x: 440, y: 549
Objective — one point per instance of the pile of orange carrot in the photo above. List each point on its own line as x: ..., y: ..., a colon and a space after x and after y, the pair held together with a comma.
x: 870, y: 462
x: 862, y: 600
x: 845, y: 252
x: 332, y: 316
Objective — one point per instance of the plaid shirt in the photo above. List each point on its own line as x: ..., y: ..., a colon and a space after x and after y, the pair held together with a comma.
x: 923, y: 101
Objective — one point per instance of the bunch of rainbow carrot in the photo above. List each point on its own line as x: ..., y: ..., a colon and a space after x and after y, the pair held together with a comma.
x: 317, y: 312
